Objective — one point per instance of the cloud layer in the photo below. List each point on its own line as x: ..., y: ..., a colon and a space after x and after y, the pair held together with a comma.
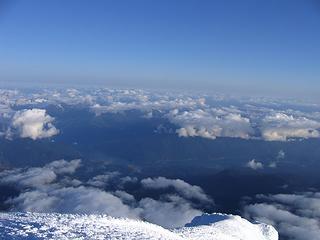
x: 53, y: 189
x: 295, y: 216
x: 195, y: 115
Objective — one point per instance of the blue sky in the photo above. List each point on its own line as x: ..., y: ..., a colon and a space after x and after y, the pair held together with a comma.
x: 249, y: 46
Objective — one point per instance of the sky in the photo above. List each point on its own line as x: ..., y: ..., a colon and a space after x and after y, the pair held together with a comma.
x: 246, y: 47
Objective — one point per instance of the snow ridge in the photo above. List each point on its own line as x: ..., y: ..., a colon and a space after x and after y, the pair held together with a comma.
x: 73, y: 226
x: 226, y: 227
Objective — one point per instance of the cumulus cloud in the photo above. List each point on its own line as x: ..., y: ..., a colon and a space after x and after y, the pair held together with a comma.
x: 185, y: 189
x: 211, y: 123
x: 111, y: 179
x: 32, y: 177
x: 103, y: 179
x: 34, y: 124
x: 64, y: 167
x: 52, y: 189
x: 280, y: 156
x: 173, y: 212
x: 273, y: 164
x: 281, y: 127
x: 254, y: 164
x: 295, y: 216
x: 39, y: 176
x: 124, y: 196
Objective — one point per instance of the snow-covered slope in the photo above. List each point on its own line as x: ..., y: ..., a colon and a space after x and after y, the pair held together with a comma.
x: 226, y: 227
x: 67, y: 226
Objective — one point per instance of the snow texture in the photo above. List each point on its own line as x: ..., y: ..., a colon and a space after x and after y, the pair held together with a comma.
x: 71, y: 226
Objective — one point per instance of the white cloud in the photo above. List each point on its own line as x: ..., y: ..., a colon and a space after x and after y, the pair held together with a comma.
x: 185, y: 189
x: 34, y: 124
x: 295, y: 216
x: 49, y: 189
x: 39, y: 176
x: 103, y: 179
x: 174, y: 212
x: 147, y: 105
x: 281, y: 127
x: 43, y: 192
x: 195, y: 115
x: 211, y: 123
x: 31, y: 177
x: 281, y: 155
x: 73, y: 200
x: 64, y: 167
x: 124, y: 196
x: 254, y: 164
x: 273, y: 165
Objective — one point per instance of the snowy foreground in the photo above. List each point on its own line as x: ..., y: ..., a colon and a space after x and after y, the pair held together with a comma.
x: 67, y: 226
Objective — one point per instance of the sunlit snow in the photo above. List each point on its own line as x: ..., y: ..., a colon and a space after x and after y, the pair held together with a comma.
x: 68, y: 226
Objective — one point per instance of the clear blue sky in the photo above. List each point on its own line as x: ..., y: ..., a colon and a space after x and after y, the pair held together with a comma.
x: 247, y: 46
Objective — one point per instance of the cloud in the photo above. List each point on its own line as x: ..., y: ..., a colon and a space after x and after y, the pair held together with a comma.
x: 173, y: 212
x: 127, y: 179
x: 273, y: 164
x: 281, y: 127
x: 73, y: 200
x: 211, y: 123
x: 64, y: 167
x: 295, y: 216
x: 42, y: 191
x: 124, y: 100
x: 254, y: 164
x: 34, y: 124
x: 51, y: 188
x: 281, y: 155
x: 39, y: 176
x: 32, y: 177
x: 183, y: 188
x: 195, y: 115
x: 111, y: 179
x: 124, y: 196
x: 103, y: 179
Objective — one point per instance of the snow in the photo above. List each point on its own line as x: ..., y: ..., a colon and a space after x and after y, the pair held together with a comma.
x: 72, y: 226
x: 226, y: 227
